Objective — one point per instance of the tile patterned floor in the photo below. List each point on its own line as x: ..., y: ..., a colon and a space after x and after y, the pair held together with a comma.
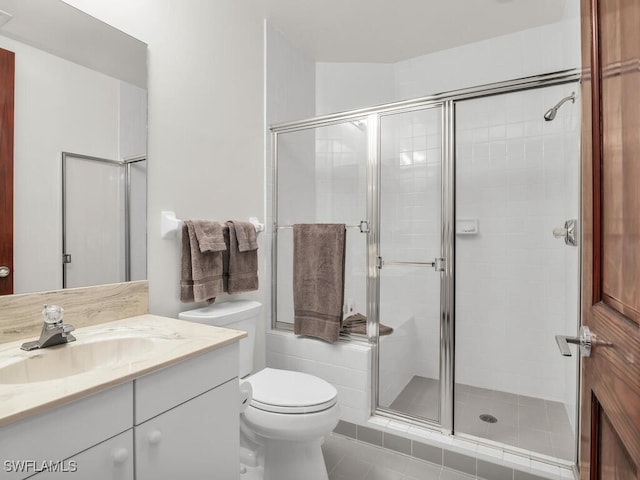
x: 534, y: 424
x: 348, y: 459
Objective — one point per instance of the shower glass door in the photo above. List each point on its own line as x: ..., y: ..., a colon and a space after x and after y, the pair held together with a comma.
x: 410, y: 206
x: 517, y: 179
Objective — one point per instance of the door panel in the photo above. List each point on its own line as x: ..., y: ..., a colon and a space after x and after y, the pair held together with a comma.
x: 7, y: 79
x: 410, y: 240
x: 610, y: 410
x: 93, y: 204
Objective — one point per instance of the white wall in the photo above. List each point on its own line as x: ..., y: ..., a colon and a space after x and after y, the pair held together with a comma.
x: 59, y: 106
x: 206, y: 122
x: 345, y: 86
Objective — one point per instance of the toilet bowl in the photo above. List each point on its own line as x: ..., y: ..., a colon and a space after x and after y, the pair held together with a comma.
x: 287, y: 414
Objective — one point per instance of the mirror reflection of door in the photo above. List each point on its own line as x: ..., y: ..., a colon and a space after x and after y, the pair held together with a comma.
x: 93, y: 221
x: 103, y: 220
x: 7, y: 76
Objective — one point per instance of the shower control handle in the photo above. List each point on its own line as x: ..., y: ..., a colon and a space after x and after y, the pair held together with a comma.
x: 569, y: 232
x: 585, y: 341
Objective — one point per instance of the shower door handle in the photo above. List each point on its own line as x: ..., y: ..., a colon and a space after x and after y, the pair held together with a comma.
x: 438, y: 264
x: 585, y: 341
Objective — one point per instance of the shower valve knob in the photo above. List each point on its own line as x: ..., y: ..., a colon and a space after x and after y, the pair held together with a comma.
x: 559, y: 232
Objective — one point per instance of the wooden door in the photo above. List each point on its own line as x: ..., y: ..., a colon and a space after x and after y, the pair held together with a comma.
x: 7, y: 74
x: 610, y: 403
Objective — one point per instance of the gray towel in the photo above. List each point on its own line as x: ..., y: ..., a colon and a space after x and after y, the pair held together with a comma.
x: 318, y: 279
x: 202, y: 272
x: 243, y: 265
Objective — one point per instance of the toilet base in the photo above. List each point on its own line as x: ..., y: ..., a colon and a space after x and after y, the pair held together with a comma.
x: 294, y: 460
x: 288, y: 461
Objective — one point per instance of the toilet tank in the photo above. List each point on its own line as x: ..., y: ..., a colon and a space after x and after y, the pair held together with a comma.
x: 236, y: 314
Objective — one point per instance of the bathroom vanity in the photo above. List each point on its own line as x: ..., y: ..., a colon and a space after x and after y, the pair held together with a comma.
x: 146, y: 397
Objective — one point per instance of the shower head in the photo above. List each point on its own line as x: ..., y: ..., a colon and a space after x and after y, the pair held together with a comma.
x: 551, y: 113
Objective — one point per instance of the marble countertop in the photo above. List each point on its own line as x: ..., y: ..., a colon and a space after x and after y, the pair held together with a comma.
x: 111, y: 353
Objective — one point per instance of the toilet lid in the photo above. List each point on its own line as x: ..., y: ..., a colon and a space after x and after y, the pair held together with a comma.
x: 285, y: 391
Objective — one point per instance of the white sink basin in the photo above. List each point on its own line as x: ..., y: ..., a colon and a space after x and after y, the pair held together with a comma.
x: 75, y: 358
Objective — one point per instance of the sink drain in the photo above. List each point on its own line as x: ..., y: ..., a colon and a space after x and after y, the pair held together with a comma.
x: 485, y: 417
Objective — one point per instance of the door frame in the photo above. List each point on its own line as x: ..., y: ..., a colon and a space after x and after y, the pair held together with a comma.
x: 7, y: 94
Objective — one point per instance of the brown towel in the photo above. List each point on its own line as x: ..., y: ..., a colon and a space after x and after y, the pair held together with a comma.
x: 318, y: 279
x: 202, y: 273
x: 243, y: 265
x: 246, y: 235
x: 357, y: 323
x: 210, y: 235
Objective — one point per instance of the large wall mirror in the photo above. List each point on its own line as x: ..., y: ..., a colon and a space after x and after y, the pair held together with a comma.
x: 81, y: 102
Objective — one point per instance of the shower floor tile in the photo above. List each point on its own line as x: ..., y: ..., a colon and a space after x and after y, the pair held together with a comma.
x: 526, y: 422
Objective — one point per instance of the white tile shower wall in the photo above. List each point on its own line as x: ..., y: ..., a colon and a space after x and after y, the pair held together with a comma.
x: 345, y: 365
x: 514, y: 277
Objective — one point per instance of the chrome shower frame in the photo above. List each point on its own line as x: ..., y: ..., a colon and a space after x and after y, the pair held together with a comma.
x: 372, y: 115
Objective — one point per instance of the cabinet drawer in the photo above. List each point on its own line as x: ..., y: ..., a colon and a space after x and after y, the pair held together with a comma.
x: 159, y: 391
x: 65, y: 431
x: 109, y: 460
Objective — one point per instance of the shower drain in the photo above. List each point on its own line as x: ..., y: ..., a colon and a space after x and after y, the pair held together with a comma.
x: 485, y: 417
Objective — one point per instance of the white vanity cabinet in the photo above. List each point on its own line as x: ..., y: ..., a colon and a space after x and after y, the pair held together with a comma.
x: 109, y: 460
x: 187, y: 419
x: 181, y: 421
x: 59, y: 435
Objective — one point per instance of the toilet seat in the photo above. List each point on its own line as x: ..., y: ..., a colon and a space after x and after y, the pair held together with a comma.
x: 288, y: 392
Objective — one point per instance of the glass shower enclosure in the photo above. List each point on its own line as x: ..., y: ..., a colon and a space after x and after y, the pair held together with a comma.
x: 450, y: 203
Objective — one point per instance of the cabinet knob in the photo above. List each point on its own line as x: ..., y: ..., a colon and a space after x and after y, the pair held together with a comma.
x: 120, y: 455
x: 154, y: 437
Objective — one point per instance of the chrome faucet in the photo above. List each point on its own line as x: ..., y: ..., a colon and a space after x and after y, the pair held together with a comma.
x: 54, y: 332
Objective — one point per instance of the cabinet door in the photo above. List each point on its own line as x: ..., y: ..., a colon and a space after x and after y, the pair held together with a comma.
x: 109, y: 460
x: 198, y: 439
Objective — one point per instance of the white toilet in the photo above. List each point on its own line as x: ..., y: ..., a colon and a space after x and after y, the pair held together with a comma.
x: 289, y: 413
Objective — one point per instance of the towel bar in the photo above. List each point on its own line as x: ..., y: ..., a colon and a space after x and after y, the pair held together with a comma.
x: 363, y: 226
x: 169, y: 224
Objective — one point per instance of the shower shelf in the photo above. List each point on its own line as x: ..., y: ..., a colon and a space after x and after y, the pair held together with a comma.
x: 467, y: 226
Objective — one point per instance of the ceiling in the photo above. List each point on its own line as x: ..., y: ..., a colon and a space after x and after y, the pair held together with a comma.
x: 384, y: 31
